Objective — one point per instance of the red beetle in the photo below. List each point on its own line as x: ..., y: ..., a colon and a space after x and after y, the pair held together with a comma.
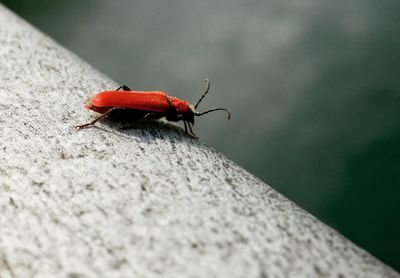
x: 139, y: 105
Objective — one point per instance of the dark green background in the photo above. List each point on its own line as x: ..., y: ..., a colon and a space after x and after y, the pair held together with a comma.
x: 313, y: 85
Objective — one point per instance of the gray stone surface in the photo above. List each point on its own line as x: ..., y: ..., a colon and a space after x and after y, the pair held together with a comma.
x: 142, y: 202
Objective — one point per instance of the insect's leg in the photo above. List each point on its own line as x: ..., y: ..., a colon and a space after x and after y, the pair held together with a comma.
x: 144, y: 117
x: 124, y: 88
x: 141, y: 119
x: 191, y: 132
x: 97, y: 119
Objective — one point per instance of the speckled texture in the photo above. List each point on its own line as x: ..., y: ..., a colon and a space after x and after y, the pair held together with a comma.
x: 142, y: 202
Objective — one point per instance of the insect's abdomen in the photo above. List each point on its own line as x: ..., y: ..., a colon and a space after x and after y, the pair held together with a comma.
x: 147, y: 101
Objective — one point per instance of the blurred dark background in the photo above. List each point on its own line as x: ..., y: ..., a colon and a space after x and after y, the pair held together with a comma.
x: 313, y: 86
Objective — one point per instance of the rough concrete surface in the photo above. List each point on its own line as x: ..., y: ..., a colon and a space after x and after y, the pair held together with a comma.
x: 140, y: 202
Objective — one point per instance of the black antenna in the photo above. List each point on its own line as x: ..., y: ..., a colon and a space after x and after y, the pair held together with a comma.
x: 207, y: 89
x: 215, y: 109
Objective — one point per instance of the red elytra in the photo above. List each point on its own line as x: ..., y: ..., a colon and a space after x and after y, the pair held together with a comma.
x: 147, y: 104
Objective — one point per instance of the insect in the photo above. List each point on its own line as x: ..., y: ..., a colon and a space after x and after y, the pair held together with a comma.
x: 146, y: 105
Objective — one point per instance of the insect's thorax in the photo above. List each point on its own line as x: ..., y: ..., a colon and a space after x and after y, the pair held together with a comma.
x: 179, y: 110
x: 180, y: 106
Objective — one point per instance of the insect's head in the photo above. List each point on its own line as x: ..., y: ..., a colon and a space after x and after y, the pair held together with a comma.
x: 192, y: 109
x: 181, y: 110
x: 189, y: 114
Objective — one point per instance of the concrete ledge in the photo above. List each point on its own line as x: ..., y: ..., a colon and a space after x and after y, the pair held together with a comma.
x: 143, y: 202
